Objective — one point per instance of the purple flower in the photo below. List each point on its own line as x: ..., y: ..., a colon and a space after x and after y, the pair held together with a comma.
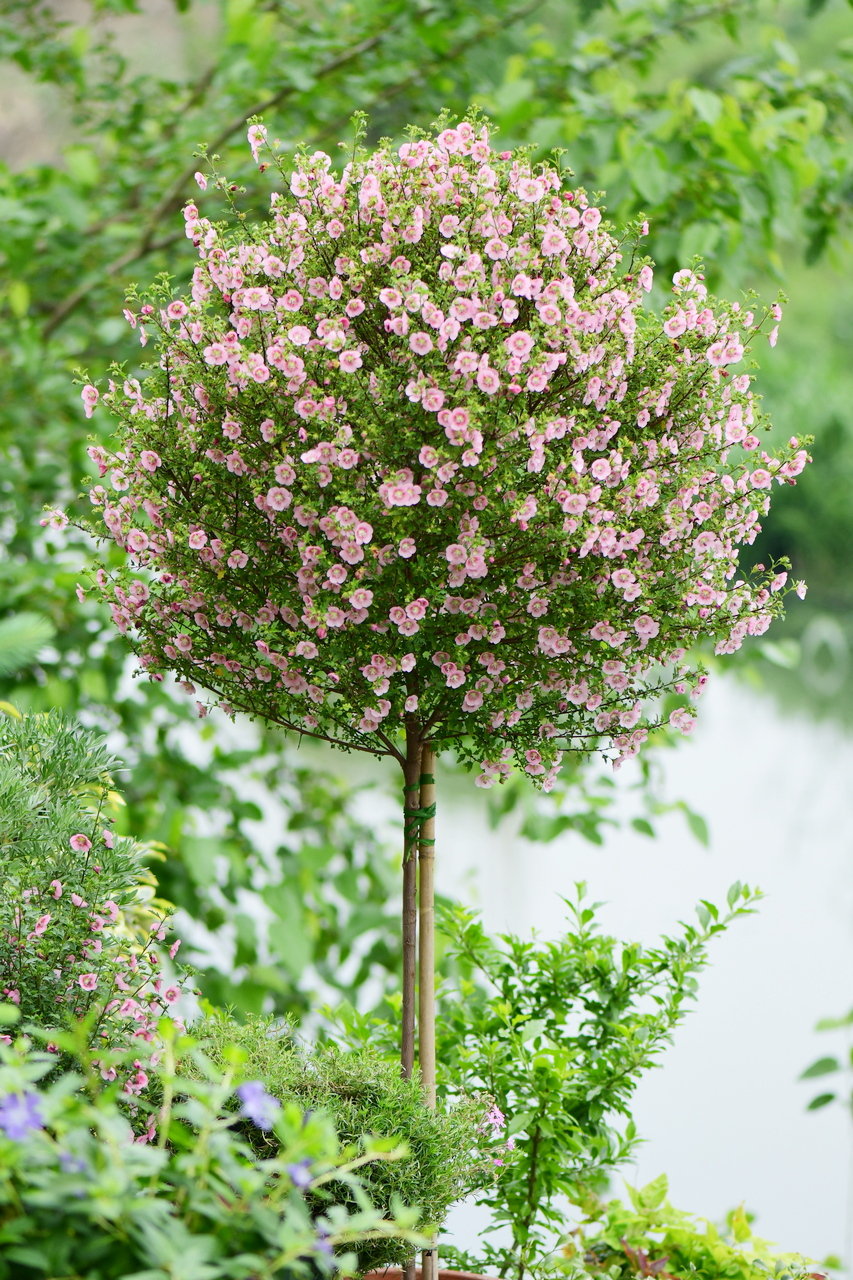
x: 258, y: 1106
x: 322, y: 1244
x: 20, y: 1114
x: 300, y: 1172
x: 70, y: 1163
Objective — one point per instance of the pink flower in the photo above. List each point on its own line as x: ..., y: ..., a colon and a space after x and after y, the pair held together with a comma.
x: 488, y: 380
x: 56, y: 886
x: 646, y: 627
x: 278, y: 499
x: 530, y: 190
x: 88, y: 981
x: 80, y: 843
x: 201, y: 180
x: 417, y: 609
x: 420, y: 343
x: 349, y: 361
x: 683, y: 719
x: 519, y: 344
x: 90, y: 396
x: 257, y: 136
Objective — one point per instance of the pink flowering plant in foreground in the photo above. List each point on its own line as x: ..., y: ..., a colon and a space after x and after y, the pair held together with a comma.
x: 414, y: 469
x: 79, y: 938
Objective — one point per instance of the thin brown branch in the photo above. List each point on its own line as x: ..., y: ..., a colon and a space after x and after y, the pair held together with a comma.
x: 171, y: 201
x: 73, y: 300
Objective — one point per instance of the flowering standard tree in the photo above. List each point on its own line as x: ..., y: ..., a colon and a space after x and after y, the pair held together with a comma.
x: 414, y: 471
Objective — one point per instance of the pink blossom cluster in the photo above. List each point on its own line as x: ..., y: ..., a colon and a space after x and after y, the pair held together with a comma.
x: 414, y: 459
x: 78, y: 942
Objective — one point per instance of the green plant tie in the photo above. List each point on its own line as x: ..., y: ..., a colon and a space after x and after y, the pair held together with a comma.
x: 419, y: 816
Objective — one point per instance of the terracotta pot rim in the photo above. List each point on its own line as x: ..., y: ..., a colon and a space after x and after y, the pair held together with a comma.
x: 391, y: 1273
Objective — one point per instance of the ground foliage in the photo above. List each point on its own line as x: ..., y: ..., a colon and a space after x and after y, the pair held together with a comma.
x: 82, y: 1197
x: 649, y: 1237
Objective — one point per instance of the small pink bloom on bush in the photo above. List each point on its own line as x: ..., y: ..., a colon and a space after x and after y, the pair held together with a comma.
x: 90, y: 396
x: 80, y: 843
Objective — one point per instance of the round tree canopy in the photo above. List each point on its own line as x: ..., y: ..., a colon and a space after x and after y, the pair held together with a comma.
x: 414, y: 459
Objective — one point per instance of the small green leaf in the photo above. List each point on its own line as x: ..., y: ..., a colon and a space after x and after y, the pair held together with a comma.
x: 9, y: 1014
x: 822, y: 1100
x: 19, y: 298
x: 22, y: 636
x: 653, y: 1194
x: 706, y: 104
x: 643, y: 825
x: 832, y: 1024
x: 740, y: 1225
x: 698, y: 827
x: 823, y: 1067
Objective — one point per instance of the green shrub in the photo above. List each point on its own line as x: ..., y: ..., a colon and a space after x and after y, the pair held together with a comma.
x: 559, y: 1034
x: 648, y: 1237
x: 81, y: 1198
x: 79, y: 930
x: 366, y: 1098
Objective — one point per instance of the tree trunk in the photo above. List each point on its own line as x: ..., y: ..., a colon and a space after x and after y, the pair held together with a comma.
x: 426, y: 926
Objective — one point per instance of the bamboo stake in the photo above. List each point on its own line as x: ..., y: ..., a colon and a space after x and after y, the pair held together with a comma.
x: 426, y: 956
x: 411, y: 800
